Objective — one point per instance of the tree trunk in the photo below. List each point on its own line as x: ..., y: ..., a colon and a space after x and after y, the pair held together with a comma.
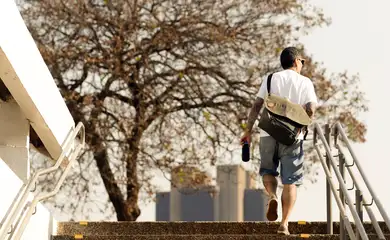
x: 110, y: 184
x: 103, y: 164
x: 132, y: 187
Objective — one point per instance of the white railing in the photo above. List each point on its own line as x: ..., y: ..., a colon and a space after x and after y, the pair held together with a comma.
x: 343, y: 197
x: 21, y: 210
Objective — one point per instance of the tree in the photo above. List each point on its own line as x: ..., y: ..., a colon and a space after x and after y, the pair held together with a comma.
x: 159, y: 83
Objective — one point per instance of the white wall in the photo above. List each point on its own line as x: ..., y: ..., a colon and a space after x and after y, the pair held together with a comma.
x: 37, y: 99
x: 14, y: 144
x: 14, y: 152
x: 27, y: 77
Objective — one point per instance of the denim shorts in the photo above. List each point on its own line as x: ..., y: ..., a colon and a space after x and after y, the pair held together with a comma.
x: 289, y: 157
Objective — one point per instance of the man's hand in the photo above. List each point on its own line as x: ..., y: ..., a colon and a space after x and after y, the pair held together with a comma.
x: 246, y: 137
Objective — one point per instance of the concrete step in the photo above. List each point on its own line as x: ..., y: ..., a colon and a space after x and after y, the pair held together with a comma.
x: 188, y: 228
x: 209, y: 237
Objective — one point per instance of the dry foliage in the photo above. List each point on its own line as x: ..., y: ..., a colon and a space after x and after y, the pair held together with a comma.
x: 159, y: 83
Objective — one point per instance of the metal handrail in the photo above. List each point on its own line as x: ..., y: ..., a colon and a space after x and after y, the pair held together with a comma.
x: 340, y: 132
x: 365, y: 203
x: 334, y: 190
x: 11, y: 209
x: 364, y: 177
x: 318, y: 133
x: 43, y: 196
x: 17, y: 206
x: 25, y: 208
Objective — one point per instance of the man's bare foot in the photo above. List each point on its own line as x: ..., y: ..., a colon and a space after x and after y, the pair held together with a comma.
x: 283, y: 230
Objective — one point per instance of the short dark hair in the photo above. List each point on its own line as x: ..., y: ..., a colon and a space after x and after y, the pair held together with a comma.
x: 288, y: 56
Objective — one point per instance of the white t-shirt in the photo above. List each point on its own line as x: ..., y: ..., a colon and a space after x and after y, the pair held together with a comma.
x: 291, y: 85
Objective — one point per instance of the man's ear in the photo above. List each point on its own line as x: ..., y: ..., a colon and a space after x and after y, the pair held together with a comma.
x: 295, y: 63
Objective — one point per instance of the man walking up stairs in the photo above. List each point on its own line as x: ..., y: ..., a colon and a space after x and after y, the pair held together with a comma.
x: 297, y: 89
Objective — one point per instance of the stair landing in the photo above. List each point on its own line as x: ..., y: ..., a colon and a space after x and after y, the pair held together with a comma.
x: 198, y: 230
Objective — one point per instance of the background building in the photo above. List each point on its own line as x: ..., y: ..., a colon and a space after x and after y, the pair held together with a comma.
x: 194, y: 198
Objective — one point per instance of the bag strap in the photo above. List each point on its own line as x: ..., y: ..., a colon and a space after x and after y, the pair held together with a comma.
x: 269, y: 84
x: 306, y: 132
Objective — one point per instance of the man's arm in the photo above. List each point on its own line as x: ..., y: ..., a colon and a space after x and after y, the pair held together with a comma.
x: 254, y: 113
x: 310, y: 109
x: 311, y: 100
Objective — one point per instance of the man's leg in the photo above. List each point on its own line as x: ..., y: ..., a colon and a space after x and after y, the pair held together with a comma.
x: 289, y: 196
x: 268, y: 170
x: 292, y: 175
x: 270, y: 184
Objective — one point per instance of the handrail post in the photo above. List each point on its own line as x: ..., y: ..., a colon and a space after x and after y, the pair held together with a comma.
x: 343, y: 234
x: 359, y: 208
x: 342, y: 171
x: 328, y: 189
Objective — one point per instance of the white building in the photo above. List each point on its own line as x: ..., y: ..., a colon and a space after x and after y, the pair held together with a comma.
x: 235, y: 196
x: 29, y: 103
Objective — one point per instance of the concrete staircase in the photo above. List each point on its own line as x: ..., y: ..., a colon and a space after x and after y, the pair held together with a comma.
x: 197, y: 230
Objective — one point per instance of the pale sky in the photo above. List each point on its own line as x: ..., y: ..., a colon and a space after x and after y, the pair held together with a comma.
x: 355, y: 41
